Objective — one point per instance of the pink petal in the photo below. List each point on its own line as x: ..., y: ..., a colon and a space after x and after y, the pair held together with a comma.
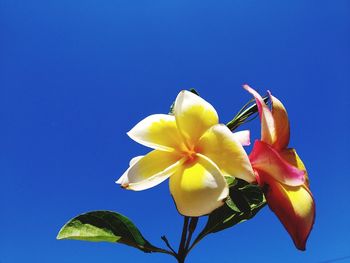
x: 265, y: 158
x: 280, y: 117
x: 267, y: 122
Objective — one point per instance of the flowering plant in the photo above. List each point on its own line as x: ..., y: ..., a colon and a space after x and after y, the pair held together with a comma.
x: 210, y: 174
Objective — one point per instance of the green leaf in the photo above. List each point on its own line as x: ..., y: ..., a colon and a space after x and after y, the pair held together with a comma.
x: 235, y: 200
x: 106, y: 226
x: 248, y: 200
x: 244, y: 202
x: 231, y: 181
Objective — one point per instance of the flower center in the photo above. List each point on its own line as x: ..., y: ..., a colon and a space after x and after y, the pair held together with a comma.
x: 190, y: 155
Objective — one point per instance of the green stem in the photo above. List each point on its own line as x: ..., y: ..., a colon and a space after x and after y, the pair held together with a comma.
x: 243, y: 115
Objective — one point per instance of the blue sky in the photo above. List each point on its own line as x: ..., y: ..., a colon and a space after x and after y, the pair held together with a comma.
x: 75, y: 76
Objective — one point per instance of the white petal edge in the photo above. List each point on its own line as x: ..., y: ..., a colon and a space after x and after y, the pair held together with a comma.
x: 243, y: 137
x: 131, y: 163
x: 151, y: 181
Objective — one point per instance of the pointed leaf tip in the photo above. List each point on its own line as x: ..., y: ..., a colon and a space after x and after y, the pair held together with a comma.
x: 106, y: 226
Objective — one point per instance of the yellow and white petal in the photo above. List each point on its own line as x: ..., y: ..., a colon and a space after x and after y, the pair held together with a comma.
x: 222, y: 147
x: 131, y: 163
x: 243, y: 137
x: 135, y: 160
x: 193, y: 116
x: 198, y: 187
x: 158, y: 131
x: 150, y: 170
x: 121, y: 179
x: 268, y: 133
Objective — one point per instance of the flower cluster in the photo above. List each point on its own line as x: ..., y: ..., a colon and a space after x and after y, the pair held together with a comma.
x: 197, y: 154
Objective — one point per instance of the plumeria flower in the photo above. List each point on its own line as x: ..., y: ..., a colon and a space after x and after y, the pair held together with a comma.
x: 194, y: 151
x: 281, y: 172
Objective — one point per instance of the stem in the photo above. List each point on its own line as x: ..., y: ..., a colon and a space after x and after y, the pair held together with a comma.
x: 243, y: 115
x: 164, y: 238
x: 181, y: 254
x: 191, y: 229
x: 196, y: 241
x: 188, y: 228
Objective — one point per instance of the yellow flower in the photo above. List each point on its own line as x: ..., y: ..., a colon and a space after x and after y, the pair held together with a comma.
x: 194, y: 150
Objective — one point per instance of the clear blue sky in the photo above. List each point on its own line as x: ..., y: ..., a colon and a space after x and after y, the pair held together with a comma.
x: 75, y: 76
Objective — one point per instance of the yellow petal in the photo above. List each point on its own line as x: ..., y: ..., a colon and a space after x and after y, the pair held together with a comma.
x: 219, y: 144
x: 198, y: 187
x: 150, y: 170
x: 193, y: 116
x: 280, y: 117
x: 291, y: 156
x: 158, y: 131
x: 295, y: 208
x: 294, y: 205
